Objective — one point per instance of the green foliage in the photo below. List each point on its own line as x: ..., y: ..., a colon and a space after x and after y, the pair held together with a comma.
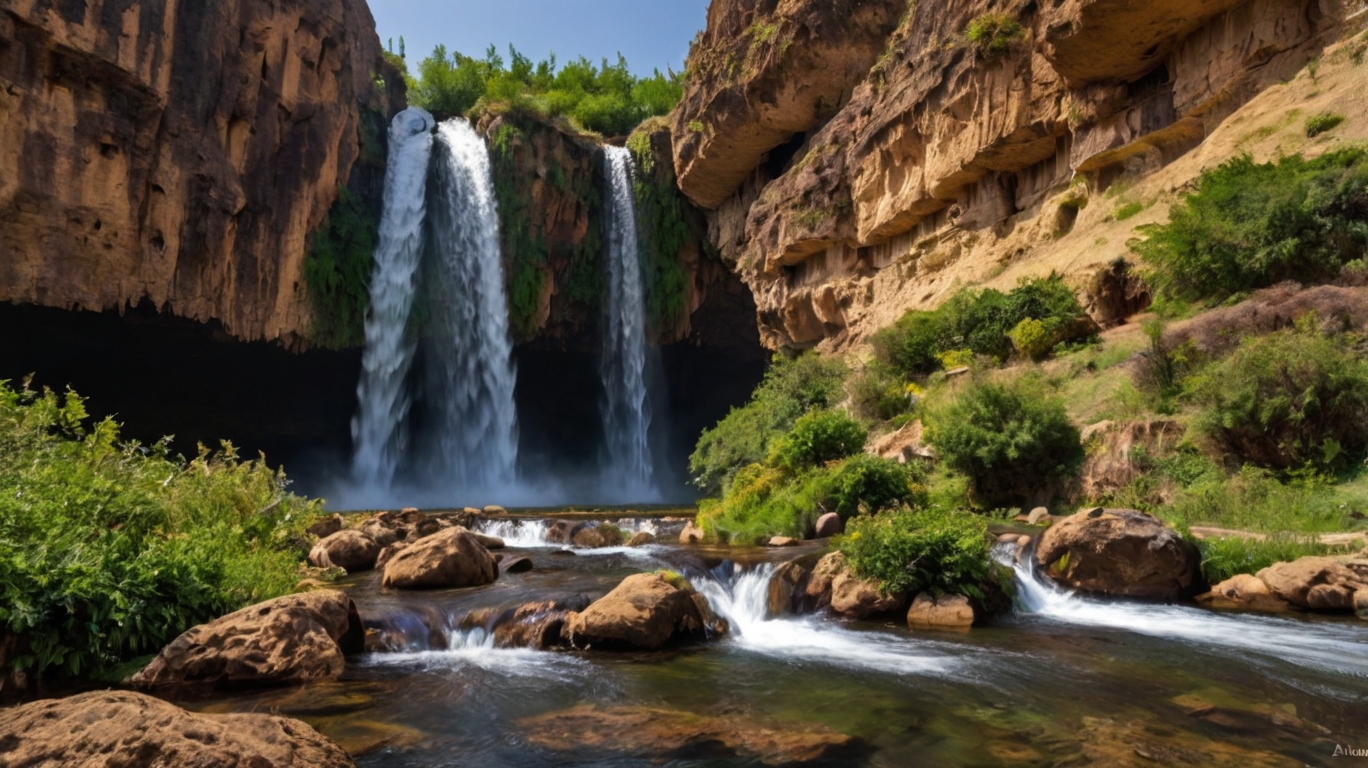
x: 606, y: 99
x: 979, y: 321
x: 1223, y: 558
x: 909, y: 551
x: 666, y: 224
x: 816, y: 438
x: 865, y: 484
x: 1011, y: 439
x: 878, y: 395
x: 993, y: 34
x: 1032, y: 339
x: 1287, y: 400
x: 1322, y: 123
x: 337, y: 270
x: 1251, y: 225
x: 110, y: 550
x: 1128, y: 211
x: 792, y: 387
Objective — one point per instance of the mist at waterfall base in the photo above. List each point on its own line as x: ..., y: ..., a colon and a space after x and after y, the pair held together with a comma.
x: 437, y: 424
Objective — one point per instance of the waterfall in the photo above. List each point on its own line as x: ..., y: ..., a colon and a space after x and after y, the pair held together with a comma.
x: 377, y: 430
x: 625, y: 408
x: 471, y: 420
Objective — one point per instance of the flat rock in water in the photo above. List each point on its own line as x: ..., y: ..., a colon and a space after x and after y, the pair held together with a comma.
x: 944, y: 612
x: 663, y: 733
x: 783, y: 541
x: 122, y: 728
x: 286, y: 641
x: 452, y: 558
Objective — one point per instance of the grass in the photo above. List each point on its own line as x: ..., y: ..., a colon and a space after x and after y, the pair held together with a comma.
x: 1223, y: 558
x: 1322, y: 123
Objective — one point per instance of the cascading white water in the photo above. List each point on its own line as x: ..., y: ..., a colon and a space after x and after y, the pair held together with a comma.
x: 377, y: 429
x: 626, y: 408
x: 472, y: 421
x: 1319, y: 644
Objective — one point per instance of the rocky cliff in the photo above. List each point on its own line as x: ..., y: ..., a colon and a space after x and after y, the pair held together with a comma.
x: 180, y: 154
x: 863, y: 157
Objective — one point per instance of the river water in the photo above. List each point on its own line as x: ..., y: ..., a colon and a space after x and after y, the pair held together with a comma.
x: 1063, y: 681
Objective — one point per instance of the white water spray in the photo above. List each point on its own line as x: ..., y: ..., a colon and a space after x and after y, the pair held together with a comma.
x: 626, y: 409
x: 470, y: 376
x: 377, y: 429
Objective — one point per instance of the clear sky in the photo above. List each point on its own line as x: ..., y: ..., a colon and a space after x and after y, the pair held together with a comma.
x: 650, y: 33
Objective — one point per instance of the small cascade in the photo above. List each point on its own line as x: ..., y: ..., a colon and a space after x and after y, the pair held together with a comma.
x: 520, y: 534
x: 626, y: 409
x: 472, y: 426
x: 377, y: 429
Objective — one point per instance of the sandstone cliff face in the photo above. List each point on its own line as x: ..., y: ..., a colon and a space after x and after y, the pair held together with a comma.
x: 179, y: 153
x: 949, y: 164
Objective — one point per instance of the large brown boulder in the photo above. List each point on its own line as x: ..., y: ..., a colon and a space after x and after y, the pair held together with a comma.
x: 832, y: 583
x: 1119, y: 552
x: 536, y: 625
x: 351, y: 550
x: 945, y: 612
x: 452, y: 558
x: 1318, y: 583
x: 598, y: 536
x: 645, y: 611
x: 122, y: 728
x: 285, y: 641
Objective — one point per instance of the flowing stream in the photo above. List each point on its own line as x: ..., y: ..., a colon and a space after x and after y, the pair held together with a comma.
x: 626, y: 408
x: 383, y: 403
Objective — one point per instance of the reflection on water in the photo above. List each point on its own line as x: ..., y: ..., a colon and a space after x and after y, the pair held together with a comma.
x: 1067, y: 681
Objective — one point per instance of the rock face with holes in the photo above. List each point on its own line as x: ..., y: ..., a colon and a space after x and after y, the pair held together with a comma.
x: 862, y: 158
x: 181, y: 153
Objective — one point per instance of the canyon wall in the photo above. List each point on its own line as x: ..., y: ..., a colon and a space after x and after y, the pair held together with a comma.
x: 863, y: 157
x: 180, y: 154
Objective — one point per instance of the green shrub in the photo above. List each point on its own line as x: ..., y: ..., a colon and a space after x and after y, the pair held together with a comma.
x: 993, y: 33
x: 866, y: 484
x: 667, y: 224
x: 1032, y: 339
x: 792, y: 387
x: 1223, y: 558
x: 818, y: 437
x: 109, y: 550
x: 1322, y: 123
x: 1287, y: 400
x: 1128, y: 211
x: 1010, y: 439
x: 914, y: 550
x: 1251, y: 225
x: 1253, y: 499
x: 877, y: 395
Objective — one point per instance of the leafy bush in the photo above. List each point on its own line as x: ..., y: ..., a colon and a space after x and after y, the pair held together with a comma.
x: 1032, y: 339
x: 337, y: 271
x: 606, y: 99
x: 869, y: 484
x: 110, y: 550
x: 1322, y: 123
x: 1188, y: 489
x: 667, y: 224
x: 926, y: 549
x: 877, y: 395
x: 816, y: 438
x: 1223, y: 558
x: 1250, y: 225
x: 993, y: 33
x: 1010, y: 439
x: 1287, y: 400
x: 791, y: 387
x: 980, y: 322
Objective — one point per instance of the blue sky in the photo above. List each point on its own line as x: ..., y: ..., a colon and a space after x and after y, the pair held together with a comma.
x: 650, y: 33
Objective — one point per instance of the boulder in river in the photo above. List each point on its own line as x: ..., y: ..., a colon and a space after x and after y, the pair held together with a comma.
x: 691, y: 534
x: 786, y: 592
x: 1318, y: 583
x: 452, y: 558
x: 387, y: 554
x: 645, y: 611
x: 384, y: 531
x: 515, y: 564
x: 351, y: 550
x: 598, y: 536
x: 641, y: 539
x: 123, y: 728
x: 833, y: 584
x: 1119, y: 552
x: 563, y: 531
x: 829, y: 525
x: 536, y: 625
x: 949, y: 611
x: 286, y: 641
x: 1244, y: 591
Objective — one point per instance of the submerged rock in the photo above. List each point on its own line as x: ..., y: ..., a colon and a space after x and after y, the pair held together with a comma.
x: 645, y: 611
x: 1318, y: 583
x: 452, y: 558
x: 351, y: 550
x: 285, y: 641
x: 945, y: 612
x: 1119, y: 552
x: 663, y: 733
x: 122, y: 728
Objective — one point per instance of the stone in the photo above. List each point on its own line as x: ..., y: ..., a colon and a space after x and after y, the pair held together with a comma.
x: 1119, y: 552
x: 387, y: 554
x: 536, y: 625
x: 384, y: 531
x: 945, y: 612
x: 782, y: 541
x: 641, y: 539
x: 1361, y: 604
x: 124, y: 728
x: 829, y: 525
x: 643, y: 612
x: 286, y: 641
x: 1038, y: 516
x: 488, y: 542
x: 906, y: 445
x: 648, y: 732
x: 817, y: 591
x: 351, y: 550
x: 1318, y: 583
x: 691, y: 534
x: 598, y: 536
x: 452, y: 558
x: 563, y: 531
x: 858, y: 598
x: 326, y: 526
x: 786, y: 592
x: 515, y: 564
x: 495, y: 509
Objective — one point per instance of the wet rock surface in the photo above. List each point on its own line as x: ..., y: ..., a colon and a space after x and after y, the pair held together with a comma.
x: 1119, y: 552
x: 352, y: 550
x: 645, y: 611
x: 452, y: 558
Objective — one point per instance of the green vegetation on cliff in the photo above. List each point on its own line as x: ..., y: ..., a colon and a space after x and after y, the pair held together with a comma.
x: 667, y: 223
x: 109, y: 550
x: 606, y: 99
